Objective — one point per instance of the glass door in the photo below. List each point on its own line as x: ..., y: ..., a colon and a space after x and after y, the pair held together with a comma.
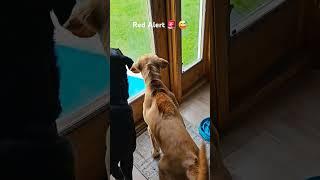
x: 192, y: 29
x: 194, y: 38
x: 130, y: 33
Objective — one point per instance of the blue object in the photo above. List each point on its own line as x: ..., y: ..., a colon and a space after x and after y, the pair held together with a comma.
x: 204, y: 129
x: 84, y: 76
x: 314, y: 178
x: 136, y: 86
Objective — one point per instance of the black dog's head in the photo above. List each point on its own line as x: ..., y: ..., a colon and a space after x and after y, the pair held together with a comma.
x: 118, y: 77
x: 120, y: 61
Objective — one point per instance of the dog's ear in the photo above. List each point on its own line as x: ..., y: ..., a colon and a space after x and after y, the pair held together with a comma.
x: 128, y: 61
x: 135, y: 68
x: 84, y: 20
x: 162, y: 62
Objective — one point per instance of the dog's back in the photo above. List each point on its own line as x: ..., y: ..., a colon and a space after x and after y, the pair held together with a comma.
x: 165, y: 104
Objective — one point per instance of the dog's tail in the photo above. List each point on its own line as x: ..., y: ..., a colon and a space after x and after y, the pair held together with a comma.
x: 203, y: 171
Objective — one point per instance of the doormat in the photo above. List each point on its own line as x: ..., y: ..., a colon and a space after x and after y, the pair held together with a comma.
x: 148, y: 166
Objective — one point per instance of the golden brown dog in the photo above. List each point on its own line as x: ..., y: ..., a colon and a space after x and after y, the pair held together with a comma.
x: 181, y: 159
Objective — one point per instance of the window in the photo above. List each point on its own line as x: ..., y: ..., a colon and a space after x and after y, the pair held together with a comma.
x: 245, y: 12
x: 192, y: 11
x: 84, y: 75
x: 132, y: 40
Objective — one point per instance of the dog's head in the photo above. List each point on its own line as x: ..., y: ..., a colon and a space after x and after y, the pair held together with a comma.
x: 118, y: 76
x: 119, y: 61
x: 87, y: 18
x: 144, y: 61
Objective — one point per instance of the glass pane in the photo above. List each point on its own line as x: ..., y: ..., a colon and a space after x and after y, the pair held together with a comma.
x: 84, y: 70
x: 83, y: 77
x: 192, y: 14
x: 131, y: 40
x: 245, y: 12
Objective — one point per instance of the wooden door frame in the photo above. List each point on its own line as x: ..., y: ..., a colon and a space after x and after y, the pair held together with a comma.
x: 161, y: 36
x: 182, y: 82
x: 219, y: 90
x: 197, y: 74
x: 173, y: 11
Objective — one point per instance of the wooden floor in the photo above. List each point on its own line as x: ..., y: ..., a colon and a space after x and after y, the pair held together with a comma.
x: 280, y: 138
x: 194, y: 109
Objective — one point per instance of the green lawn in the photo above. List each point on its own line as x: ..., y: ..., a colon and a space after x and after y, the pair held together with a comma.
x: 132, y: 42
x: 136, y: 42
x: 245, y: 6
x: 190, y: 12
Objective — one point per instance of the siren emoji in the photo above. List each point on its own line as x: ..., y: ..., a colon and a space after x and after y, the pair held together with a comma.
x: 171, y: 24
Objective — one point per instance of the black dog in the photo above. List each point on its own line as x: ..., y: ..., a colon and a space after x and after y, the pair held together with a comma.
x: 122, y: 132
x: 29, y: 143
x: 118, y: 77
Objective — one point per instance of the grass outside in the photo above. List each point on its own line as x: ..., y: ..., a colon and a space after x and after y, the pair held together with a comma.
x: 136, y: 42
x: 132, y: 41
x: 190, y: 12
x: 246, y: 6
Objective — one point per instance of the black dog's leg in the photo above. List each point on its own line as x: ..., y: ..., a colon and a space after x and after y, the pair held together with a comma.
x: 127, y: 167
x: 115, y: 170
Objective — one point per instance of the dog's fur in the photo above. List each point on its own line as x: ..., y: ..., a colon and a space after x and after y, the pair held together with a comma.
x: 118, y: 77
x: 88, y: 18
x: 181, y: 157
x: 123, y: 134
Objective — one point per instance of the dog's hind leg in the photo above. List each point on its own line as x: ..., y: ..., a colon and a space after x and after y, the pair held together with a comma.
x: 155, y: 146
x: 166, y: 167
x: 163, y: 165
x: 127, y: 166
x: 116, y: 170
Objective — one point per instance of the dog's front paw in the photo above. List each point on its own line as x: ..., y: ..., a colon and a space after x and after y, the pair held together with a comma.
x: 155, y: 154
